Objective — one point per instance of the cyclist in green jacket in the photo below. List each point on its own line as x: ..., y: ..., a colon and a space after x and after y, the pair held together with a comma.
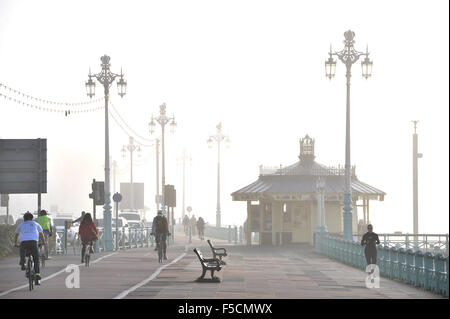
x: 46, y: 224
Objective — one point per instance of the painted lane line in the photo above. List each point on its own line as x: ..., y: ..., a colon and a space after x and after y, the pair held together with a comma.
x: 51, y: 276
x: 153, y: 276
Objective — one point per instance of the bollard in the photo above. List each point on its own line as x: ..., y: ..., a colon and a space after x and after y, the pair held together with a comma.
x: 190, y: 234
x: 241, y: 235
x: 429, y: 270
x: 229, y: 234
x: 235, y: 235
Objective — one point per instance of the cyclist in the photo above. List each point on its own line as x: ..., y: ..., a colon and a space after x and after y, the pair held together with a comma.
x: 46, y: 224
x: 88, y: 233
x: 370, y: 240
x: 29, y: 233
x: 160, y: 226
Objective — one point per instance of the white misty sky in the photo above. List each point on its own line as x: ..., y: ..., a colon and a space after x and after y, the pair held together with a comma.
x: 257, y: 66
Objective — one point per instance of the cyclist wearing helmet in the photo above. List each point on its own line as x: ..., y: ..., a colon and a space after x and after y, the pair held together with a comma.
x: 29, y: 233
x: 160, y: 226
x: 46, y: 224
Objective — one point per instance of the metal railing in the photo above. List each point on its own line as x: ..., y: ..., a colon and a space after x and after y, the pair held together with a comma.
x: 231, y: 233
x: 414, y: 267
x: 127, y: 238
x: 435, y: 243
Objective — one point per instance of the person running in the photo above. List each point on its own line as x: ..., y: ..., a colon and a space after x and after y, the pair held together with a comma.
x: 186, y: 225
x: 29, y: 233
x: 46, y: 224
x: 201, y: 228
x: 88, y: 233
x: 370, y: 240
x: 160, y: 229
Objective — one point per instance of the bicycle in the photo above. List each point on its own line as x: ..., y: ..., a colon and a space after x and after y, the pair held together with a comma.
x: 159, y: 240
x: 87, y: 253
x: 29, y: 272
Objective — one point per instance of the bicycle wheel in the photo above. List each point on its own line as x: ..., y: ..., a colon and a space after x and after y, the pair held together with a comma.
x: 30, y: 274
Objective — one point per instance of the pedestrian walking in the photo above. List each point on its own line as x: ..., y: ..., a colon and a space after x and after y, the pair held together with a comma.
x: 201, y: 228
x: 193, y: 224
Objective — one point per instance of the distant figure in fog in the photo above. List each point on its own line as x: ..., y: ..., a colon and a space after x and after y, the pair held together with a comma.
x: 193, y: 224
x: 201, y: 228
x: 186, y: 225
x: 370, y: 240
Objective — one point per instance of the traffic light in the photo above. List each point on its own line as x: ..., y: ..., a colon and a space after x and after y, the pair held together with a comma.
x: 98, y: 192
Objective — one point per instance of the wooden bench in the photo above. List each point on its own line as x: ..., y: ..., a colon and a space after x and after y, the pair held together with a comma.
x: 211, y: 264
x: 218, y: 252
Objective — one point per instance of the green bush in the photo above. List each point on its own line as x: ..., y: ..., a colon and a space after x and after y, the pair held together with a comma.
x: 6, y: 239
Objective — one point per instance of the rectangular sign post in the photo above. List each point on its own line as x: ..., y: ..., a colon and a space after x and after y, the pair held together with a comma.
x: 23, y: 167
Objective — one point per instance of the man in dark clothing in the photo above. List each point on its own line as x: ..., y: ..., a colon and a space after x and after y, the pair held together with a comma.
x: 370, y: 240
x: 160, y: 229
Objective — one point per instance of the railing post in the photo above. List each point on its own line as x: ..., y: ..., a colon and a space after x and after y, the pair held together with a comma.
x: 429, y: 270
x: 418, y: 269
x: 402, y: 266
x: 394, y: 263
x: 439, y: 269
x: 235, y: 235
x: 387, y: 261
x: 229, y: 234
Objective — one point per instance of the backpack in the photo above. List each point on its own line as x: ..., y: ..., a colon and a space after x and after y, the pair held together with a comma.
x: 160, y: 224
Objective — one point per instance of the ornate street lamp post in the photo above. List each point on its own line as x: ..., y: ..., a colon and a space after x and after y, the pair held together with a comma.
x: 106, y: 78
x: 131, y: 147
x: 348, y: 56
x: 163, y: 119
x: 219, y: 137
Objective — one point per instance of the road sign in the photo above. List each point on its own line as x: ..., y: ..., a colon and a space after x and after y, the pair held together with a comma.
x: 170, y: 196
x: 189, y: 209
x: 117, y: 197
x: 5, y: 200
x: 138, y: 196
x: 23, y: 166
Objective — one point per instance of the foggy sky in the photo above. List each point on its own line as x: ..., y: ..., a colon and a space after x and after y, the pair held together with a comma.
x: 257, y: 66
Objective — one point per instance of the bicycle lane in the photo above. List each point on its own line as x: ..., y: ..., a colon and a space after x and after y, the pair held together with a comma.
x: 105, y: 278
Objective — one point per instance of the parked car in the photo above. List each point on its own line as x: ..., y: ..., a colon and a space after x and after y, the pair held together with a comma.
x: 59, y: 225
x: 131, y: 215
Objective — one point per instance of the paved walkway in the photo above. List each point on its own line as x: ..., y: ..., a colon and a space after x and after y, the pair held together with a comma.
x: 254, y: 272
x: 251, y: 272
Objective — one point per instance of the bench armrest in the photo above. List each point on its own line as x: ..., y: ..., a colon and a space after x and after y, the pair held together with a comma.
x: 220, y: 249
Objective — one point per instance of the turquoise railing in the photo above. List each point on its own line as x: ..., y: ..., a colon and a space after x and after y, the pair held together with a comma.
x: 421, y: 269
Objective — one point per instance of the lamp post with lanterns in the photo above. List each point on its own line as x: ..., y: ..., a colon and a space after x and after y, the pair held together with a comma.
x: 348, y: 56
x: 106, y: 78
x: 163, y: 120
x: 131, y: 147
x: 219, y: 137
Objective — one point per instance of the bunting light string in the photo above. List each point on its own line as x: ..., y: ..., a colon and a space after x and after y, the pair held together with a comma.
x: 126, y: 132
x: 66, y: 112
x: 45, y: 101
x: 134, y: 133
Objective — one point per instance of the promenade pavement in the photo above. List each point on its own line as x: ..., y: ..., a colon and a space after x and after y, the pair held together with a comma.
x: 251, y: 272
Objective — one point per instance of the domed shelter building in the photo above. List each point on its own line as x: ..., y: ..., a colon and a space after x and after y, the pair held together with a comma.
x: 287, y: 204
